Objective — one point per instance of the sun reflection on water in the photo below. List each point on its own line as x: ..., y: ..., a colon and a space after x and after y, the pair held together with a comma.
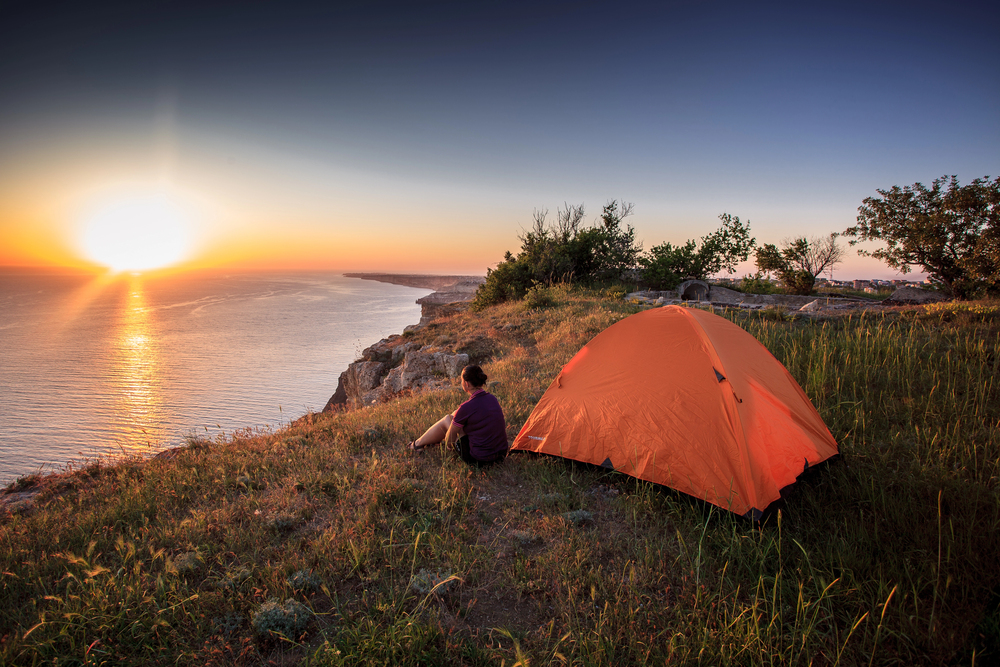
x: 139, y: 411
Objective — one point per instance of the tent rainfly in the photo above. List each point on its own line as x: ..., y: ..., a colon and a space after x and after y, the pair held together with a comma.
x: 684, y: 398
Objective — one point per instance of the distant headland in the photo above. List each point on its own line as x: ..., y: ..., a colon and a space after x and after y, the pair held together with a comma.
x: 368, y: 380
x: 415, y: 279
x: 451, y: 293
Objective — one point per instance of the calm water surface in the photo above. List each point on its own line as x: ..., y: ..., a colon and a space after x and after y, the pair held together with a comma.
x: 94, y: 366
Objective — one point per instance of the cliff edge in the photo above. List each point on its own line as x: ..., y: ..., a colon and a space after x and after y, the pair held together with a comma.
x: 394, y: 366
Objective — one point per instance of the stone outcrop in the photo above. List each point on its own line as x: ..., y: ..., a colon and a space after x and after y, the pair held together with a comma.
x: 912, y: 296
x: 362, y: 378
x: 447, y: 301
x: 394, y: 367
x: 697, y: 290
x: 723, y: 296
x: 424, y: 367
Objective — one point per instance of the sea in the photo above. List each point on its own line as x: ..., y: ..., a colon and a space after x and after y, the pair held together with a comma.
x: 96, y: 367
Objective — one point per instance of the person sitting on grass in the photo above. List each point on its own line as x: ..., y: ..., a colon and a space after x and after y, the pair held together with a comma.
x: 476, y: 430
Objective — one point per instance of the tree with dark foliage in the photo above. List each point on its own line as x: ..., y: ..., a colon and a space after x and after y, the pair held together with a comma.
x: 667, y: 265
x: 566, y: 251
x: 949, y: 230
x: 617, y: 249
x: 799, y: 261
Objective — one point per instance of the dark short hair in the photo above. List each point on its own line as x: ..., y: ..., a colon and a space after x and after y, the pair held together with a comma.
x: 474, y: 375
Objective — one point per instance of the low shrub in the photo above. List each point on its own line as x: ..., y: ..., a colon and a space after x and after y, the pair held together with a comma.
x: 538, y: 296
x: 304, y: 581
x: 757, y: 284
x: 288, y: 620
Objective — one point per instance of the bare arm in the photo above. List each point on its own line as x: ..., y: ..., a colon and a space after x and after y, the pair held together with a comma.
x: 455, y: 431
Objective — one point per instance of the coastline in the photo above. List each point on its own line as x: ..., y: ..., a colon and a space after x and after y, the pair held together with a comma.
x: 72, y: 365
x: 361, y: 383
x: 433, y: 304
x: 451, y: 294
x: 432, y: 282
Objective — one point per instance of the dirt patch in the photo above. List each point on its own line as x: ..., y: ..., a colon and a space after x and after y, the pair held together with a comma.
x: 487, y: 610
x: 17, y: 502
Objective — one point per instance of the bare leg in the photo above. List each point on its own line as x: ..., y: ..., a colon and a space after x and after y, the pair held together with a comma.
x: 435, y: 433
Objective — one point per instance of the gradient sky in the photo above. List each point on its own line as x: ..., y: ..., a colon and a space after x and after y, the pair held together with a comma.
x: 420, y: 136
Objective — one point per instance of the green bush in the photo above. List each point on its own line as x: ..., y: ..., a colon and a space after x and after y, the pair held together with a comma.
x: 800, y: 260
x: 564, y: 252
x: 757, y: 284
x: 539, y: 296
x: 607, y: 252
x: 667, y: 266
x: 510, y: 281
x: 288, y: 620
x: 304, y: 581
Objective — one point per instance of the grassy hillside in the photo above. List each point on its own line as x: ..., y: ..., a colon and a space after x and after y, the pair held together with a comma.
x: 326, y: 543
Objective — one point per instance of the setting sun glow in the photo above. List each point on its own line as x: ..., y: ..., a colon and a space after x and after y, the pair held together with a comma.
x: 136, y: 234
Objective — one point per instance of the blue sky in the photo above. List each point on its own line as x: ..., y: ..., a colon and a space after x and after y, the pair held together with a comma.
x: 421, y: 136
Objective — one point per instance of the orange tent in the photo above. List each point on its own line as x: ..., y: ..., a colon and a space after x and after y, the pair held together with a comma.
x: 684, y: 398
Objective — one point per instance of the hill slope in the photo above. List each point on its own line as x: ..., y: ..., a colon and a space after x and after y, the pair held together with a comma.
x: 358, y: 552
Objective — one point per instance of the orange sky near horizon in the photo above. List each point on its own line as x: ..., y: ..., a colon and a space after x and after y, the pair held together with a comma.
x: 38, y: 228
x: 249, y: 206
x: 257, y: 207
x: 45, y: 245
x: 48, y: 238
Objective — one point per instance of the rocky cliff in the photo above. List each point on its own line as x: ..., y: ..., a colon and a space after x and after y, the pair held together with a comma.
x: 394, y: 366
x: 448, y: 300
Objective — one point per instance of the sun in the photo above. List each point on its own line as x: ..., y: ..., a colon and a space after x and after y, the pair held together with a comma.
x: 137, y: 233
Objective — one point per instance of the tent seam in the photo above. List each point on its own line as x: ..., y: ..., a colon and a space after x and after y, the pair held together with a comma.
x: 730, y: 398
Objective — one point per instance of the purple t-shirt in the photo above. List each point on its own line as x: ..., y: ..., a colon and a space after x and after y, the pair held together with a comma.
x: 482, y: 420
